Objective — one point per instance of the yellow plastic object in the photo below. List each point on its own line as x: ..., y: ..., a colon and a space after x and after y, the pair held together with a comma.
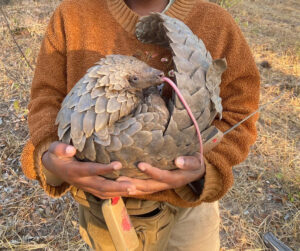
x: 119, y: 225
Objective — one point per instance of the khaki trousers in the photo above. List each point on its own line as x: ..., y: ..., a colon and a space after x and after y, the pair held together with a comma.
x: 159, y: 225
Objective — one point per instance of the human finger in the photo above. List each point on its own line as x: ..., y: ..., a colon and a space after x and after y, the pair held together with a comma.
x: 174, y: 178
x: 164, y: 179
x: 107, y: 188
x: 104, y: 195
x: 62, y: 150
x: 188, y: 162
x: 156, y: 173
x: 144, y: 186
x: 85, y: 169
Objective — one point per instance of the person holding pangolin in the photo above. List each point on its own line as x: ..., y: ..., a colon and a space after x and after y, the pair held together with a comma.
x: 166, y: 213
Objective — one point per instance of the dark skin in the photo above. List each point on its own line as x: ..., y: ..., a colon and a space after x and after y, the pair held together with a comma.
x: 145, y: 7
x: 59, y: 159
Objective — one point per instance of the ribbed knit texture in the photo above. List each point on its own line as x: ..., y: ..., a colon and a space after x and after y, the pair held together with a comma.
x: 82, y: 31
x: 128, y: 19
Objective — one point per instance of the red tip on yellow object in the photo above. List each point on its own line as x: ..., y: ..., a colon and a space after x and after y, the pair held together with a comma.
x: 115, y: 200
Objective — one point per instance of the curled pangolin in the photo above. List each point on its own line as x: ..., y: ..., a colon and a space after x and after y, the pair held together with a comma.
x: 115, y: 112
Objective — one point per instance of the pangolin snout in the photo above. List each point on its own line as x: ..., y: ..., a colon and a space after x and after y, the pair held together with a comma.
x: 159, y: 76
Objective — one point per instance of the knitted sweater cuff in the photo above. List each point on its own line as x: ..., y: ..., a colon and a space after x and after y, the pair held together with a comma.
x: 213, y: 186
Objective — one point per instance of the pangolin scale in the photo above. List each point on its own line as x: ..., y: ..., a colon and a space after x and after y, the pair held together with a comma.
x: 115, y: 111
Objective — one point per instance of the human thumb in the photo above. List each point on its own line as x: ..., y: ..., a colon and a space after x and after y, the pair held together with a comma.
x: 62, y: 150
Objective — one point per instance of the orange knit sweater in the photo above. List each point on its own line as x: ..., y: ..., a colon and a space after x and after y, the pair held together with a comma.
x: 82, y: 31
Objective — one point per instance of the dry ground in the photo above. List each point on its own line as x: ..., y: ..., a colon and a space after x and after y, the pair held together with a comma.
x: 266, y: 194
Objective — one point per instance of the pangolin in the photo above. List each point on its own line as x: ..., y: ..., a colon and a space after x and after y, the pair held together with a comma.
x: 115, y: 112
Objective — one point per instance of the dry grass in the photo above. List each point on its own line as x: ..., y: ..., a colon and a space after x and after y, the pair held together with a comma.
x: 29, y: 220
x: 266, y: 195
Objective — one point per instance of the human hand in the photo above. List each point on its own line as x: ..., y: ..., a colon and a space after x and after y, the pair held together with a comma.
x: 190, y: 169
x: 59, y: 159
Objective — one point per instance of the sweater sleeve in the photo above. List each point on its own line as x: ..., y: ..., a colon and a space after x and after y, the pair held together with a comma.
x: 49, y: 87
x: 240, y: 96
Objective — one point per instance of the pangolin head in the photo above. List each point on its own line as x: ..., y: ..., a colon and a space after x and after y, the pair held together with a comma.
x: 128, y: 73
x: 142, y: 76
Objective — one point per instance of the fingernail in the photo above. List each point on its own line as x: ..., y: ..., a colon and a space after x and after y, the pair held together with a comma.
x: 117, y: 166
x: 70, y: 150
x: 180, y: 162
x: 141, y: 167
x: 131, y: 191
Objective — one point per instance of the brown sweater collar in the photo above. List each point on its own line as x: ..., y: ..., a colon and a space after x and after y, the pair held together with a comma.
x: 128, y: 18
